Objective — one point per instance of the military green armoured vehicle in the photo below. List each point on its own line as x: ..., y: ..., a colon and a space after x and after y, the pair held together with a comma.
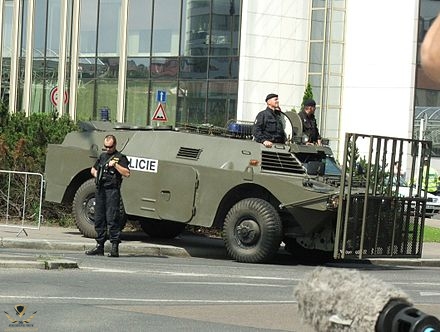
x: 211, y: 177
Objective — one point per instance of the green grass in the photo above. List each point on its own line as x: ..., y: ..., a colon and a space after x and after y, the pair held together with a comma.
x: 431, y: 234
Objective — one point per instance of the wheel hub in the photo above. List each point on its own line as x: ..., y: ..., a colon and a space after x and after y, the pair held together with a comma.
x: 89, y: 209
x: 248, y: 232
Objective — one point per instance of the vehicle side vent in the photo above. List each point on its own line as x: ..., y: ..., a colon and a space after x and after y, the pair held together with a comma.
x: 189, y: 153
x: 281, y: 162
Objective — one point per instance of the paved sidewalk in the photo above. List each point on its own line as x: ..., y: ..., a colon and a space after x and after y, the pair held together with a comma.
x: 138, y: 243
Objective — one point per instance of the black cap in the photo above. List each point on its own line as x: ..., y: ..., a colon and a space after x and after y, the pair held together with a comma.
x: 270, y: 96
x: 310, y: 102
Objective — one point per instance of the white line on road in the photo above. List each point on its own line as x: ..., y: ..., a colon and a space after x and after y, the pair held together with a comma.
x: 132, y: 300
x: 187, y: 274
x: 228, y: 284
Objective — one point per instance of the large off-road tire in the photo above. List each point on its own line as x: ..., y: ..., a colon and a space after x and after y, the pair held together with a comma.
x: 162, y: 229
x: 83, y: 208
x: 252, y: 231
x: 307, y: 256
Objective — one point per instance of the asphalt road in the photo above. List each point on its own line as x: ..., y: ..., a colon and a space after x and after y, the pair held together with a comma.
x: 146, y: 293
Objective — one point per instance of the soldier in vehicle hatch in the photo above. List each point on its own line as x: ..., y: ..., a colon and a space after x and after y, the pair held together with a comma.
x: 268, y: 127
x: 310, y: 127
x: 108, y: 171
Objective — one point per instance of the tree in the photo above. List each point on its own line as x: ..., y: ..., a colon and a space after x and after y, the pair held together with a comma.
x: 308, y: 94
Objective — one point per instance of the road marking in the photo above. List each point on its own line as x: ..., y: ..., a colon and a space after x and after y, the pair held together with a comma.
x: 429, y: 293
x: 187, y: 274
x: 131, y: 300
x: 417, y: 283
x: 228, y: 284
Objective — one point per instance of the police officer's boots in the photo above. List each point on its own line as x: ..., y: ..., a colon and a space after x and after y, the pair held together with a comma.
x: 97, y: 251
x: 115, y: 250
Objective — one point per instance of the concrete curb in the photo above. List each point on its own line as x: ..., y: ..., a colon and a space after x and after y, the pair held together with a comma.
x: 425, y: 262
x: 195, y: 247
x: 53, y: 264
x: 145, y: 249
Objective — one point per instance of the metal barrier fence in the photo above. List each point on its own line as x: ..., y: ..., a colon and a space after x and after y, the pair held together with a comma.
x: 382, y: 214
x: 20, y: 206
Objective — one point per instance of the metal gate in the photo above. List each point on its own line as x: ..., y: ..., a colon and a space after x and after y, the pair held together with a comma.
x: 20, y: 207
x: 381, y: 214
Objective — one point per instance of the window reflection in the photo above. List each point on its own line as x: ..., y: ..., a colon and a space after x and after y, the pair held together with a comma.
x: 139, y: 27
x: 194, y: 67
x: 164, y: 67
x: 88, y: 19
x: 223, y: 68
x: 188, y: 50
x: 109, y: 27
x: 138, y: 67
x: 191, y: 103
x: 166, y: 26
x: 222, y: 103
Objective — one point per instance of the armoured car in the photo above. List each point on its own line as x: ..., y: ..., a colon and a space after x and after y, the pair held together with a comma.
x: 215, y: 177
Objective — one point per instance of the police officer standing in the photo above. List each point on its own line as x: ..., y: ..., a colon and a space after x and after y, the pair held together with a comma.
x: 268, y: 127
x: 310, y: 127
x: 108, y: 171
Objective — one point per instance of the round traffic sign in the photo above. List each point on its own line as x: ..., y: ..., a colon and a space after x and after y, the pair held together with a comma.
x: 54, y: 96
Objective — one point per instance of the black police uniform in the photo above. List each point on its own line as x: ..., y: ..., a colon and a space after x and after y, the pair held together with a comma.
x: 107, y: 197
x: 310, y: 127
x: 269, y: 126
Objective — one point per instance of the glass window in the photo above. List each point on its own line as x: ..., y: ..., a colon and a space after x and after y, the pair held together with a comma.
x: 315, y: 82
x: 166, y: 26
x: 222, y: 103
x: 164, y: 68
x: 223, y: 68
x: 318, y: 25
x: 53, y: 28
x: 136, y: 105
x: 109, y: 27
x: 7, y: 29
x: 88, y: 19
x: 39, y: 29
x: 335, y: 60
x: 318, y: 3
x: 194, y: 67
x: 138, y: 68
x: 139, y: 28
x: 195, y: 27
x: 224, y: 33
x: 316, y: 57
x: 338, y: 23
x: 191, y: 103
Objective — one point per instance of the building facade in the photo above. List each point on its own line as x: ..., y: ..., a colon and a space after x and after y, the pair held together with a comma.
x: 146, y: 62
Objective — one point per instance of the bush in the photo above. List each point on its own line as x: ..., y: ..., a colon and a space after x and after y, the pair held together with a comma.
x: 23, y: 145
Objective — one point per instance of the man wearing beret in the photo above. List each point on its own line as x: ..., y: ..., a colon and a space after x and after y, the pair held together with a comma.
x: 268, y: 127
x: 310, y: 128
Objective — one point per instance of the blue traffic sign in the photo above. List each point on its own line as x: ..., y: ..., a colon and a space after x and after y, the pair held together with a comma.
x: 161, y: 96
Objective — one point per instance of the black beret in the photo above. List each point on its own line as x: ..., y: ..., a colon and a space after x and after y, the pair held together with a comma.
x: 310, y: 102
x: 270, y: 96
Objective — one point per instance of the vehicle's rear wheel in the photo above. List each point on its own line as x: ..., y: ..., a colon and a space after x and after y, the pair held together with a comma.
x: 162, y: 229
x: 83, y: 208
x: 252, y: 231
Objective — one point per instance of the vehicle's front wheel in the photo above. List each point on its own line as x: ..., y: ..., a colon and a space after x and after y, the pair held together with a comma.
x: 252, y: 231
x: 83, y: 208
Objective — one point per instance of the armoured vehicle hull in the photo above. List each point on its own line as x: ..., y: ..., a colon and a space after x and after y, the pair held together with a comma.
x: 258, y: 196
